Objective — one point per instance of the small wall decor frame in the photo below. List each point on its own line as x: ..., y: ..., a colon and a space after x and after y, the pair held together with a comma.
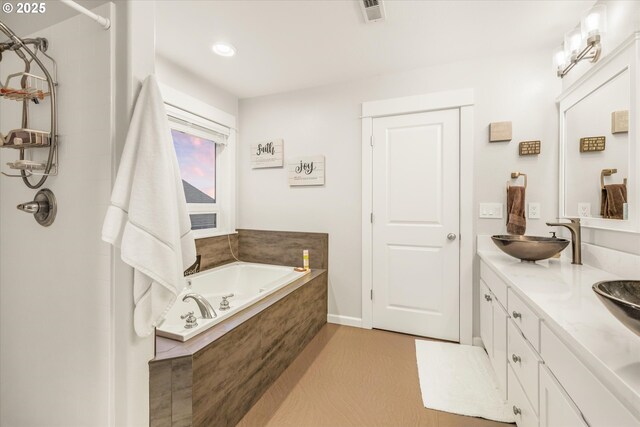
x: 267, y: 154
x: 305, y: 171
x: 592, y: 143
x: 529, y: 148
x: 620, y: 121
x: 500, y: 131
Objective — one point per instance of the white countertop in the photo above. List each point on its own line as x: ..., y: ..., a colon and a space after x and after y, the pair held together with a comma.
x: 560, y: 293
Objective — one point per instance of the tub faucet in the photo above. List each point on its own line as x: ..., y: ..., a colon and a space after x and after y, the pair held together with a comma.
x: 576, y: 237
x: 205, y: 308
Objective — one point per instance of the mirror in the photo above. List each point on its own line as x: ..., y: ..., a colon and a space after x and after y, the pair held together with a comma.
x: 599, y: 153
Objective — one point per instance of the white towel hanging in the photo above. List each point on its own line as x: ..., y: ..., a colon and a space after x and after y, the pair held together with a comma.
x: 148, y: 217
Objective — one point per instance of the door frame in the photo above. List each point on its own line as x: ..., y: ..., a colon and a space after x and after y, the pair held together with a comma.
x: 462, y: 100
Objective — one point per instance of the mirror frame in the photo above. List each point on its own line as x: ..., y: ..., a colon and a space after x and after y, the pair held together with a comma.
x: 623, y: 58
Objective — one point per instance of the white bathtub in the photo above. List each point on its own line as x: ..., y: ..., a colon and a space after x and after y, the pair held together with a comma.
x: 248, y: 282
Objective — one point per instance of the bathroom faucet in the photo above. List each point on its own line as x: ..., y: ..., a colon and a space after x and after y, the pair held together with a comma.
x: 205, y: 308
x: 576, y: 237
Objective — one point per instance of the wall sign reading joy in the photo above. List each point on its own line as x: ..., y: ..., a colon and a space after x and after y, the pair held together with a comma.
x: 306, y: 170
x: 267, y: 154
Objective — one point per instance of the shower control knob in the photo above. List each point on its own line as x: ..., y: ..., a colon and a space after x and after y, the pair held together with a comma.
x: 451, y: 236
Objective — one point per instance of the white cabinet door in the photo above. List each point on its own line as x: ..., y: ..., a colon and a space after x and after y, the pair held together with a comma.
x: 499, y: 361
x: 556, y: 408
x: 486, y: 318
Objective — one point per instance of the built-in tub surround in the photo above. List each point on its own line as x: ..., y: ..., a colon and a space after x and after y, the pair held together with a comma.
x: 214, y: 378
x: 560, y: 295
x: 241, y: 284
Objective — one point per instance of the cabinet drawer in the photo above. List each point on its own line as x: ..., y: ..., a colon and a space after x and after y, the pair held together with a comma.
x: 525, y: 362
x: 495, y: 283
x: 525, y: 415
x: 599, y: 407
x: 556, y: 407
x: 524, y: 319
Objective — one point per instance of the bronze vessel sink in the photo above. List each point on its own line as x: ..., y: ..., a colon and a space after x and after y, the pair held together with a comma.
x: 529, y: 248
x: 622, y: 299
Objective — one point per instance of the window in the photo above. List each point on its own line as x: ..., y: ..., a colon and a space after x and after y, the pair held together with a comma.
x: 205, y: 165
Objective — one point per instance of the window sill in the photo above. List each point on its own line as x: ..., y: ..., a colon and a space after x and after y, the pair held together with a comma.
x: 203, y: 234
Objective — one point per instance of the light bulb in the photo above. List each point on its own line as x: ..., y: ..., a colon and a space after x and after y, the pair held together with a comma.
x: 572, y: 42
x: 594, y: 22
x: 559, y: 58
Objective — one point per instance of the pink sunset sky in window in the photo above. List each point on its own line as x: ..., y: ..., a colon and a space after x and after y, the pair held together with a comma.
x: 197, y: 161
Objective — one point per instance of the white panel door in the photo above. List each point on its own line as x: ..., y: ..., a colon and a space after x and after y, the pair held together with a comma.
x: 416, y: 223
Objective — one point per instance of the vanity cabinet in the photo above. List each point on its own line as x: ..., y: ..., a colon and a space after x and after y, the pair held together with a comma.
x: 545, y: 383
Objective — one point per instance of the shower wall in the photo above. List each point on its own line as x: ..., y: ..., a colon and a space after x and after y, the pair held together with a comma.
x: 56, y: 309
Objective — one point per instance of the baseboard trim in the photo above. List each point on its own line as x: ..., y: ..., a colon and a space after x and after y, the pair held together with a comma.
x: 344, y: 320
x: 477, y: 341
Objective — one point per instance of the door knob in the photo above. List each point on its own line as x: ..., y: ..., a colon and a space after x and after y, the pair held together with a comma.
x: 451, y: 236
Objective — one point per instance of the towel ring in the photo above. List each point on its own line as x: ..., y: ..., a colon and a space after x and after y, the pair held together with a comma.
x: 516, y: 175
x: 609, y: 172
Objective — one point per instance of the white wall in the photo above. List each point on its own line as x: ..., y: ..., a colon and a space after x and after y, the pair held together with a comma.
x: 183, y: 80
x: 325, y: 120
x: 55, y: 283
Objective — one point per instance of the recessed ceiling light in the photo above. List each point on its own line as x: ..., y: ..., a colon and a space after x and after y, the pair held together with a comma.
x: 224, y: 49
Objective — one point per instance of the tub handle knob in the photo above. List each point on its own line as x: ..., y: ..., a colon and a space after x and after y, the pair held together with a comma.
x: 191, y: 320
x: 224, y: 304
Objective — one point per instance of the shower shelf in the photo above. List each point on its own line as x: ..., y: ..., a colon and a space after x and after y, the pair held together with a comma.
x: 27, y: 165
x: 35, y: 88
x: 29, y: 88
x: 26, y: 138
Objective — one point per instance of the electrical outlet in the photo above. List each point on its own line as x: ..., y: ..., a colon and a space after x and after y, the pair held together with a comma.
x: 533, y: 210
x: 491, y: 210
x: 584, y: 209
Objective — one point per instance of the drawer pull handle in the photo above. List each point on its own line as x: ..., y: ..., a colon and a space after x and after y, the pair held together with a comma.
x: 515, y: 358
x: 516, y: 315
x: 516, y: 410
x: 487, y: 297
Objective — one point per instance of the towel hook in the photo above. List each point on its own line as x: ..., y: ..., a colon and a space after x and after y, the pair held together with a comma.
x: 516, y: 175
x: 609, y: 172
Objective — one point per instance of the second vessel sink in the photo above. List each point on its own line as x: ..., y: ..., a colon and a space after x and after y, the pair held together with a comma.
x: 529, y: 248
x: 622, y: 299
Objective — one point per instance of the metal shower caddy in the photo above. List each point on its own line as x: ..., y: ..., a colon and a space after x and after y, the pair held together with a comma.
x: 31, y: 88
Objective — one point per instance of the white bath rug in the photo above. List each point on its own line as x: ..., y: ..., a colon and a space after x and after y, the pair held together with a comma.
x: 459, y: 379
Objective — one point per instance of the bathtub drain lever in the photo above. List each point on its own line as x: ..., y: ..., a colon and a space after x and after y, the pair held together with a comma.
x: 224, y: 304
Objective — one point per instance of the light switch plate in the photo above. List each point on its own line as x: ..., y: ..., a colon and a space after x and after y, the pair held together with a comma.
x: 491, y: 210
x: 584, y: 209
x: 533, y: 209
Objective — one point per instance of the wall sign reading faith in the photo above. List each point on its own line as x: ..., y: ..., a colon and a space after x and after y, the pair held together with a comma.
x: 592, y: 143
x: 306, y: 170
x: 267, y: 154
x: 528, y: 148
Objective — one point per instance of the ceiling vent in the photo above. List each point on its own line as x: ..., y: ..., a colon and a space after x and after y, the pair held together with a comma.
x: 373, y: 10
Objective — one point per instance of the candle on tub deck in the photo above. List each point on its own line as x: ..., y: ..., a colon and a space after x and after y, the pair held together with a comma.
x: 305, y: 259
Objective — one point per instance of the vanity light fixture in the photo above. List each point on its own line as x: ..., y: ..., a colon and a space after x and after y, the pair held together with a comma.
x: 223, y: 49
x: 582, y: 42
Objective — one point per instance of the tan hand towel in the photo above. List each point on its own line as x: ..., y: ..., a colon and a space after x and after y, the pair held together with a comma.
x: 516, y: 221
x: 614, y: 196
